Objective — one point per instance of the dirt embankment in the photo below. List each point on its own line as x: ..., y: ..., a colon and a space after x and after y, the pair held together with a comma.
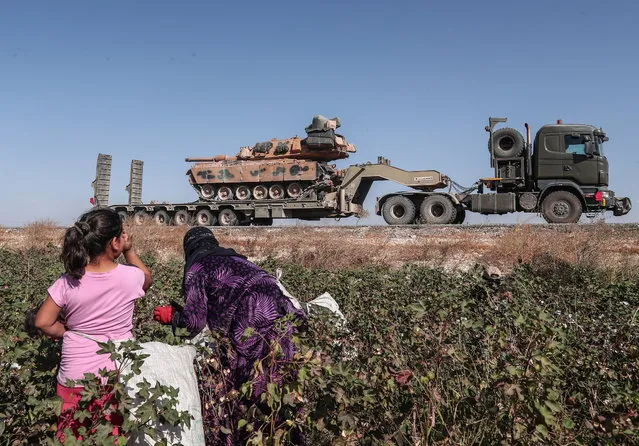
x: 613, y: 247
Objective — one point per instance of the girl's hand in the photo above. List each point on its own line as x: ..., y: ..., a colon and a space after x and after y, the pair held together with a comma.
x: 127, y: 240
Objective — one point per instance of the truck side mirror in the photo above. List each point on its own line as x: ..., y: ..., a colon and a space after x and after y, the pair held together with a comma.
x: 590, y: 148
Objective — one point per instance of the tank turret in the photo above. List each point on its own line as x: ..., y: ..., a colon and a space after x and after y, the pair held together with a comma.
x: 291, y: 168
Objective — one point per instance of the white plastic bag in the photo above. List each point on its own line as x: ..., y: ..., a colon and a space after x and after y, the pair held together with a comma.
x: 324, y: 300
x: 171, y: 365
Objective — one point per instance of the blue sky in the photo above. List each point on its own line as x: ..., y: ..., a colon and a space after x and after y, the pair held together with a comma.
x: 413, y: 81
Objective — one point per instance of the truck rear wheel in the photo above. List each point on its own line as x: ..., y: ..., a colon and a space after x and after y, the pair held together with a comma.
x: 228, y: 218
x: 204, y: 217
x: 438, y: 210
x: 507, y: 143
x: 561, y: 207
x: 398, y: 210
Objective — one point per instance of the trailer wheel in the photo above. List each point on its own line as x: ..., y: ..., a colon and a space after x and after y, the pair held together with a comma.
x: 438, y: 210
x: 204, y: 217
x: 140, y: 217
x: 507, y: 143
x: 182, y: 218
x: 123, y: 215
x: 228, y: 218
x: 161, y: 218
x: 398, y: 210
x: 561, y: 207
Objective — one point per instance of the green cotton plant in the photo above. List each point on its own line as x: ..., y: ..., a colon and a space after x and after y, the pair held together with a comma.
x: 148, y: 405
x: 549, y: 354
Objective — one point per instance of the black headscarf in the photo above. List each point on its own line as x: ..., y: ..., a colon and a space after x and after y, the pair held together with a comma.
x: 200, y: 242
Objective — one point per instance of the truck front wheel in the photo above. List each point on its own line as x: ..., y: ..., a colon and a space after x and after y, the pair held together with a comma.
x: 561, y: 207
x: 438, y: 210
x: 398, y: 210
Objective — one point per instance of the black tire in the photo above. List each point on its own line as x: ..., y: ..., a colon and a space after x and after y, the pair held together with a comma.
x: 161, y: 218
x: 461, y: 216
x: 228, y: 218
x: 507, y: 143
x: 398, y: 210
x: 204, y: 217
x: 438, y: 210
x: 182, y: 218
x: 561, y: 207
x: 123, y: 215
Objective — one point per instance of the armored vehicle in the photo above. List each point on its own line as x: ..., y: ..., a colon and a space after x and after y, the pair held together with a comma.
x: 275, y: 169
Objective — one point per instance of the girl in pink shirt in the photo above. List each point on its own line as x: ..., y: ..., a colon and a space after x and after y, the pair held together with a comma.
x: 96, y: 296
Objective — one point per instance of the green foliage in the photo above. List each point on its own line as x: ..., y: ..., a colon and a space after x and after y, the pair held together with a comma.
x: 549, y: 354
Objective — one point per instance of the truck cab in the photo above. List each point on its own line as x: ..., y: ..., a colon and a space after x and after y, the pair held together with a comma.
x: 563, y: 173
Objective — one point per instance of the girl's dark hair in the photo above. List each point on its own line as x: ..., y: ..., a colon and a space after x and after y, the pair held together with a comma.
x: 88, y: 238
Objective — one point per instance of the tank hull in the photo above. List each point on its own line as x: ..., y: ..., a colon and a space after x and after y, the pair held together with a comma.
x: 275, y: 169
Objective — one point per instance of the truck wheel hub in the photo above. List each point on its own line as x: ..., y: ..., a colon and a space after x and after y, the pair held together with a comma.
x: 398, y: 211
x: 561, y: 209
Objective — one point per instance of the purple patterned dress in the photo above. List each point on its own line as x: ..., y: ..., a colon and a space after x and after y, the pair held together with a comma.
x: 232, y: 294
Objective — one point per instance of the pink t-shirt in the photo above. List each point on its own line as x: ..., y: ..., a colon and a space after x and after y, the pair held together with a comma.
x: 99, y: 305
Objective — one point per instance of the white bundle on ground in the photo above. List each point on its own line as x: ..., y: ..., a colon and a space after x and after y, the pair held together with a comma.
x: 324, y: 300
x: 171, y: 365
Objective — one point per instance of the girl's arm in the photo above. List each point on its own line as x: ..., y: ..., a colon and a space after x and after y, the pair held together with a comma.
x: 46, y: 320
x: 132, y: 258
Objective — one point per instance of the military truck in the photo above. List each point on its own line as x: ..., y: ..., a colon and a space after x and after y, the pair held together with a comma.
x: 561, y: 174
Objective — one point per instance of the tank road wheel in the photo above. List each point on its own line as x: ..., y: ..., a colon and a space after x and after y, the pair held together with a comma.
x: 438, y: 210
x: 561, y: 207
x: 507, y: 143
x: 140, y: 217
x: 204, y: 217
x: 294, y: 190
x: 182, y: 218
x: 243, y: 192
x: 224, y: 193
x: 207, y: 191
x: 228, y: 218
x: 161, y: 218
x: 260, y: 192
x: 276, y: 191
x: 398, y: 210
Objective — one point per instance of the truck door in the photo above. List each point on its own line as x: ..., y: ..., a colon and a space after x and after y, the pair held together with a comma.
x: 551, y: 156
x: 579, y: 167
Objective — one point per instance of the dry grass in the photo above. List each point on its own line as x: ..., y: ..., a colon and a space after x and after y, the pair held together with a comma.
x: 613, y: 248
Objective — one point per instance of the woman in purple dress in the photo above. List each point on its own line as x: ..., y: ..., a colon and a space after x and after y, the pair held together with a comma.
x: 225, y: 291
